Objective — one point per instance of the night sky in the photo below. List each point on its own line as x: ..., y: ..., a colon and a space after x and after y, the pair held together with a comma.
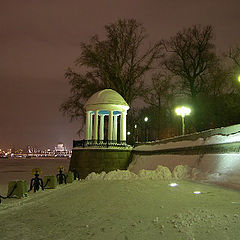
x: 40, y: 39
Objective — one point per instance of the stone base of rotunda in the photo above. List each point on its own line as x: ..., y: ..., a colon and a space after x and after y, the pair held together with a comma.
x: 87, y: 160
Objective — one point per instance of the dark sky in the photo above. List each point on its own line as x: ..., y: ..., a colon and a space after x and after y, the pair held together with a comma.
x: 40, y: 39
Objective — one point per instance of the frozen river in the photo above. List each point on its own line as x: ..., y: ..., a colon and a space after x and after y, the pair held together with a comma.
x: 21, y: 168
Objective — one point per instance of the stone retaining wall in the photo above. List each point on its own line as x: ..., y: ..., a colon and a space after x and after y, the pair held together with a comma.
x: 87, y: 160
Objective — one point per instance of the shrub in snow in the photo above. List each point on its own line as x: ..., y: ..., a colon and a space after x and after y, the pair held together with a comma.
x: 102, y: 175
x: 181, y: 172
x: 119, y: 175
x: 163, y: 172
x: 160, y: 173
x: 148, y: 174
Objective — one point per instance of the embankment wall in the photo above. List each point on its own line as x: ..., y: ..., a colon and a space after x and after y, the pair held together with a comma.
x: 213, y: 155
x: 87, y: 160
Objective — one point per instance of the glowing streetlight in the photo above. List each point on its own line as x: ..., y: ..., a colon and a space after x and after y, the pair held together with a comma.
x: 128, y: 133
x: 238, y: 78
x: 183, y: 111
x: 145, y: 119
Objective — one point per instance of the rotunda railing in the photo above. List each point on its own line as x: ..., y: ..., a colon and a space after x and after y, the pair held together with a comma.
x: 99, y: 143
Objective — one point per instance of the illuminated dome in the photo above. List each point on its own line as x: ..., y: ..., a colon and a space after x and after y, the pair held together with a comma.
x: 110, y: 104
x: 106, y: 99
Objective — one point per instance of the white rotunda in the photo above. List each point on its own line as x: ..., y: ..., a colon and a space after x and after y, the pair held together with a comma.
x: 106, y: 104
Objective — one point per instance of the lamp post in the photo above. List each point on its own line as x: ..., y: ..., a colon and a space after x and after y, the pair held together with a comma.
x: 183, y: 111
x: 146, y: 120
x: 135, y: 133
x: 129, y: 138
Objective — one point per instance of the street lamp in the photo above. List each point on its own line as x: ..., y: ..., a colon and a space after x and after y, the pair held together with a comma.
x: 183, y: 111
x: 135, y: 133
x: 145, y: 120
x: 129, y: 141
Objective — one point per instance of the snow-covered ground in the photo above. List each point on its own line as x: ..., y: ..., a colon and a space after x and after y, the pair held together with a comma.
x: 122, y: 205
x: 136, y: 209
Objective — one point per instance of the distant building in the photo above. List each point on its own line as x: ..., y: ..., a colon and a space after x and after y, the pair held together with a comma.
x: 61, y: 150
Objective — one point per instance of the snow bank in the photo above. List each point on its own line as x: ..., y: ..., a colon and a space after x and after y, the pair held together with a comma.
x: 170, y: 145
x: 119, y: 175
x: 216, y: 139
x: 95, y: 176
x: 181, y: 172
x: 161, y: 172
x: 151, y: 162
x: 113, y: 175
x: 223, y: 169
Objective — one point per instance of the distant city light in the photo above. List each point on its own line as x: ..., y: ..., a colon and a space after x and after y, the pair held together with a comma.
x: 135, y: 126
x: 173, y: 184
x: 128, y: 133
x: 59, y: 151
x: 146, y: 119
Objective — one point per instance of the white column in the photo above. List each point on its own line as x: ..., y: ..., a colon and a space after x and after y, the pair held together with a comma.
x: 123, y: 126
x: 90, y: 126
x: 101, y: 130
x: 115, y: 127
x: 87, y: 130
x: 110, y: 125
x: 95, y: 130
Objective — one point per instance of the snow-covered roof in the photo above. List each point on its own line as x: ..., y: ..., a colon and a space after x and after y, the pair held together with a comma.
x: 106, y: 99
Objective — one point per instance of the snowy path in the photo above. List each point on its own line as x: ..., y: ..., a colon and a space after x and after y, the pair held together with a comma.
x: 123, y: 209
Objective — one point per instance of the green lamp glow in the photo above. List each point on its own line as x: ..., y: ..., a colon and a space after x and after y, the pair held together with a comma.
x: 183, y: 111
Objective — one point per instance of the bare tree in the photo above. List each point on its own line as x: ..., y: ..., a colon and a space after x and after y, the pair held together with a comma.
x: 219, y: 80
x: 234, y: 67
x: 160, y: 97
x: 189, y: 55
x: 234, y: 55
x: 119, y: 62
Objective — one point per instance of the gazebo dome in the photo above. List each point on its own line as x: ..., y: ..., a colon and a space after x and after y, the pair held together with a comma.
x: 110, y: 104
x: 106, y: 99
